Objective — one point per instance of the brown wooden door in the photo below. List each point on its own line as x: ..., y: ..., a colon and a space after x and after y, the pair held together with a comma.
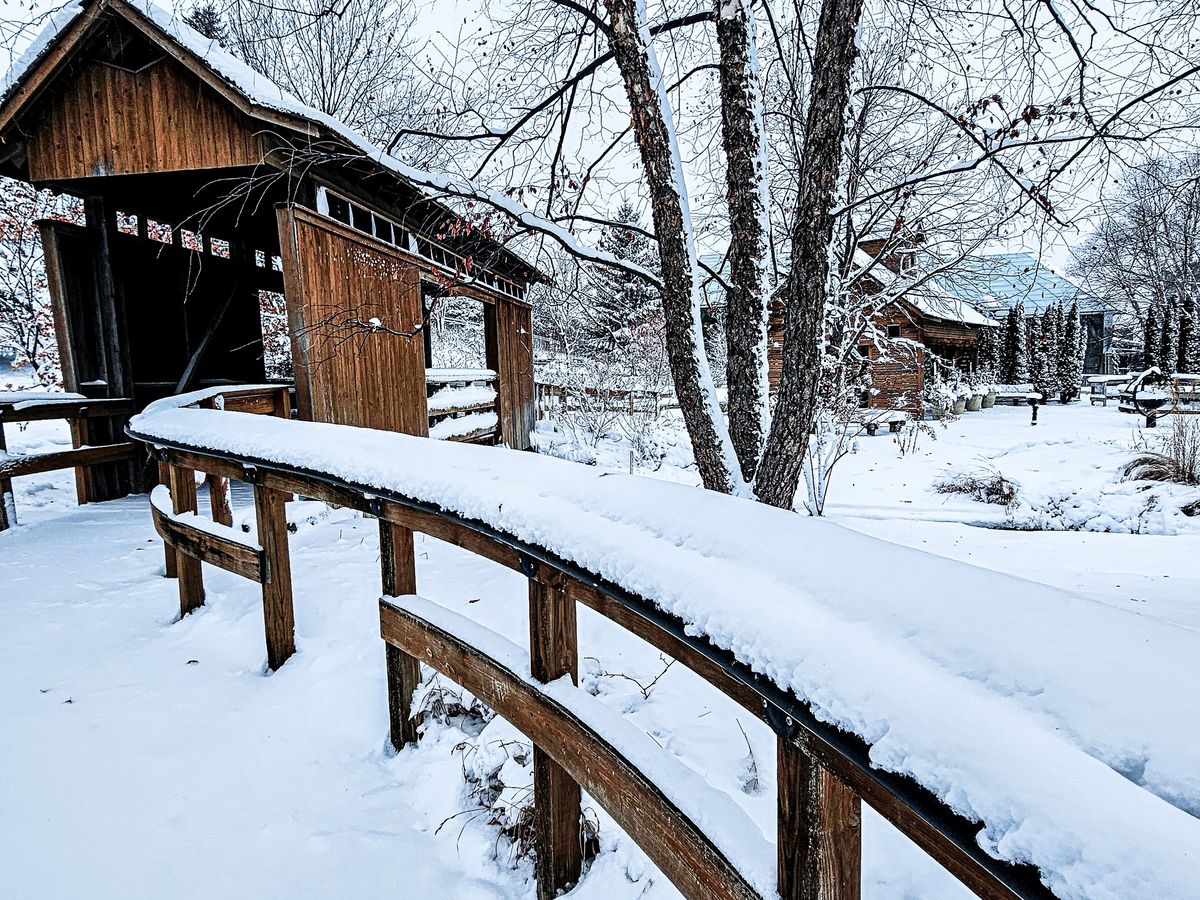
x: 354, y: 312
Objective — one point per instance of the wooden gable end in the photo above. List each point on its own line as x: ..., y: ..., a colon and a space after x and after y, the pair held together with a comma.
x: 106, y: 120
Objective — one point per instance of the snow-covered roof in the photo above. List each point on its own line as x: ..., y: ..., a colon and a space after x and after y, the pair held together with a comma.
x: 1061, y: 723
x: 997, y: 282
x: 929, y: 297
x: 264, y: 98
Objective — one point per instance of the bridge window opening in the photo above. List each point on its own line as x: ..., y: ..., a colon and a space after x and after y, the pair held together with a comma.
x: 455, y: 337
x: 158, y: 231
x: 127, y: 223
x: 276, y: 341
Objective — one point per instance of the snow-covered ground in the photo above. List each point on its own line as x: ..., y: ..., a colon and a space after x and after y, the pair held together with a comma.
x: 177, y: 767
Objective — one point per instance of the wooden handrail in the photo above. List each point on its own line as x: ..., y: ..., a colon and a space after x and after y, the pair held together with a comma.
x: 823, y: 772
x: 78, y: 412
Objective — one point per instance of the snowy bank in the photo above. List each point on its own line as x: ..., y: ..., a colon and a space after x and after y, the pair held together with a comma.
x: 1061, y: 723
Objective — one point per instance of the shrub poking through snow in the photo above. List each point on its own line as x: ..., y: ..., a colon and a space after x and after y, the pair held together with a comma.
x: 1177, y: 458
x: 497, y: 766
x: 986, y: 486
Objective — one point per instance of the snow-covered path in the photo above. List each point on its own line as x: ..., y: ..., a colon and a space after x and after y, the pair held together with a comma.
x: 143, y: 758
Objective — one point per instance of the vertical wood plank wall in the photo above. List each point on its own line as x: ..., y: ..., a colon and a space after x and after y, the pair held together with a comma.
x: 508, y: 330
x: 108, y: 121
x: 335, y: 280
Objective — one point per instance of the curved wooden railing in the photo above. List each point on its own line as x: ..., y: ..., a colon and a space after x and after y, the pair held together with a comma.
x: 823, y: 773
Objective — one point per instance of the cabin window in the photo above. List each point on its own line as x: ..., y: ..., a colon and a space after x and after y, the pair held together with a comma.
x: 127, y: 223
x: 191, y: 240
x: 893, y: 331
x: 219, y: 248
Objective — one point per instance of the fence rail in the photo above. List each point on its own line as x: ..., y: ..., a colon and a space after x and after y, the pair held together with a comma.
x: 823, y: 773
x: 78, y: 412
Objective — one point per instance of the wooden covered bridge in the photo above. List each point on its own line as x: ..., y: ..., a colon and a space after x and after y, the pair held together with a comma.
x: 202, y: 189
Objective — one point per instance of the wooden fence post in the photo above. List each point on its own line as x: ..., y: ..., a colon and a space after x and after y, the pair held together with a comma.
x: 820, y: 830
x: 553, y: 653
x: 398, y: 566
x: 182, y: 483
x: 279, y: 619
x: 164, y: 478
x: 8, y: 504
x: 218, y: 499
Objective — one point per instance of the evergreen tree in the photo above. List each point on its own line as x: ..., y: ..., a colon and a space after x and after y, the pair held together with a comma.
x: 1014, y: 368
x: 1152, y: 342
x: 988, y: 350
x: 1189, y: 337
x: 205, y: 18
x: 617, y: 301
x: 1169, y: 353
x: 1070, y: 354
x: 1052, y: 326
x: 1039, y: 370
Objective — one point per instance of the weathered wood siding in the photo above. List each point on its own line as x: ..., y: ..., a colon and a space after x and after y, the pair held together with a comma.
x: 108, y: 121
x: 336, y: 279
x: 509, y: 328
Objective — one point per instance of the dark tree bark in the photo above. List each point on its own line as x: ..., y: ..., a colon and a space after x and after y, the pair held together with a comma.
x: 744, y: 141
x: 808, y: 285
x: 675, y: 249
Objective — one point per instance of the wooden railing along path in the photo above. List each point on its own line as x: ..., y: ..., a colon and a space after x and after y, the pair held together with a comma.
x: 823, y: 776
x: 463, y: 405
x: 79, y: 412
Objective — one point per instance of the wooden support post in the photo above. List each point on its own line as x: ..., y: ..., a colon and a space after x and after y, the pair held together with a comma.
x: 169, y: 567
x: 8, y: 505
x: 398, y: 566
x: 218, y: 499
x: 187, y: 568
x: 553, y: 653
x: 820, y: 830
x: 81, y: 436
x: 279, y: 618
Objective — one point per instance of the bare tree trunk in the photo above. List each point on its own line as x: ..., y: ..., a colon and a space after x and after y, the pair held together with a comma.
x: 808, y: 285
x: 629, y: 39
x: 747, y: 191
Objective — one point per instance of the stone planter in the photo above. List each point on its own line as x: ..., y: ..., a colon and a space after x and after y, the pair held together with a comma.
x: 960, y: 406
x: 989, y: 399
x: 975, y: 403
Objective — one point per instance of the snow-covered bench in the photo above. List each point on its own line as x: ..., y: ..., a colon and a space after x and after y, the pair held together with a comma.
x: 1016, y: 394
x: 871, y: 420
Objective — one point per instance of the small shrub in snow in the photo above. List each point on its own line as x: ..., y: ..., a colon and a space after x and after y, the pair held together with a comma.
x: 986, y: 486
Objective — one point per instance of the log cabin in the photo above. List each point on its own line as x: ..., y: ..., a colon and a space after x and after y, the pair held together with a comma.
x: 200, y: 189
x: 919, y: 324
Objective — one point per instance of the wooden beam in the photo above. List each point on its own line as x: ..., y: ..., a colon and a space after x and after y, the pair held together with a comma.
x: 36, y: 463
x: 68, y: 409
x: 820, y: 830
x: 182, y: 483
x: 673, y: 842
x: 169, y: 568
x: 189, y: 372
x: 553, y: 654
x: 224, y: 553
x: 398, y: 567
x: 279, y: 619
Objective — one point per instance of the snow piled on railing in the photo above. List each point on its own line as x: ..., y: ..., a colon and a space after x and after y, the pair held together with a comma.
x: 1065, y: 725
